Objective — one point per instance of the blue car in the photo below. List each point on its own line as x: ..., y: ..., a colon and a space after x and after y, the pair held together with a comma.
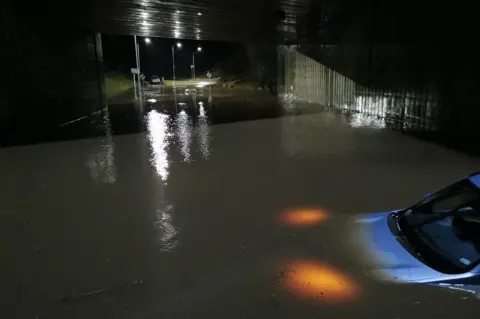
x: 435, y: 242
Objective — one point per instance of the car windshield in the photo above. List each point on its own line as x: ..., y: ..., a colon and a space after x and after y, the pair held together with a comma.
x: 430, y: 225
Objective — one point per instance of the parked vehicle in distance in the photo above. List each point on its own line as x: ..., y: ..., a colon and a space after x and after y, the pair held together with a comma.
x: 155, y: 80
x: 434, y: 242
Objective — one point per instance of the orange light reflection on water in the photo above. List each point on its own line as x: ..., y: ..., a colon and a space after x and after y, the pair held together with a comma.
x: 315, y: 280
x: 304, y: 217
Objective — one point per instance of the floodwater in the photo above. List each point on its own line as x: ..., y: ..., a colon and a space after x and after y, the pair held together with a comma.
x: 172, y: 212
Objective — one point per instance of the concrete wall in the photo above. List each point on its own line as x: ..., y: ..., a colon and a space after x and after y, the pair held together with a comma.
x: 306, y: 80
x: 313, y: 82
x: 425, y: 90
x: 426, y: 56
x: 50, y: 75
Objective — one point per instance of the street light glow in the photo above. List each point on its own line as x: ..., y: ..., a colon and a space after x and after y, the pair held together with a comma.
x: 199, y: 13
x: 179, y: 45
x: 199, y: 49
x: 147, y: 40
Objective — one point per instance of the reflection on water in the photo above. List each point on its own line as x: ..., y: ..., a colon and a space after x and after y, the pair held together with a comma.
x: 404, y: 110
x: 194, y: 99
x: 158, y: 136
x: 167, y: 231
x: 187, y: 121
x: 158, y: 133
x: 102, y: 163
x: 319, y: 281
x: 371, y: 112
x: 210, y: 99
x: 364, y: 120
x: 167, y: 124
x: 203, y: 132
x: 184, y: 134
x: 304, y: 217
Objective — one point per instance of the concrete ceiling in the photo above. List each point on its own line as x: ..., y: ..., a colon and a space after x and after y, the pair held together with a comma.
x: 227, y: 20
x: 280, y: 21
x: 223, y: 20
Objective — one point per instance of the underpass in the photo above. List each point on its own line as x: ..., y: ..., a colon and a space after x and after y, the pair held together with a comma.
x: 216, y: 203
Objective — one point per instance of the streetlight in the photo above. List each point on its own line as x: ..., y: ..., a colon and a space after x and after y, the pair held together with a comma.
x: 179, y: 45
x: 147, y: 40
x: 137, y: 71
x: 199, y: 49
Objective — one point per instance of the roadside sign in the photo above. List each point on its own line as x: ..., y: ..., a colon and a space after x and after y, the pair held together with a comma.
x: 134, y: 70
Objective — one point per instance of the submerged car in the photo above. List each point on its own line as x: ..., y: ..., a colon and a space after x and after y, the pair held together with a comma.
x: 435, y: 242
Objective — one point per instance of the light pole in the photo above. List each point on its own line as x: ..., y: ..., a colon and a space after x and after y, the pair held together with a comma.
x: 137, y: 58
x: 199, y: 49
x: 179, y: 45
